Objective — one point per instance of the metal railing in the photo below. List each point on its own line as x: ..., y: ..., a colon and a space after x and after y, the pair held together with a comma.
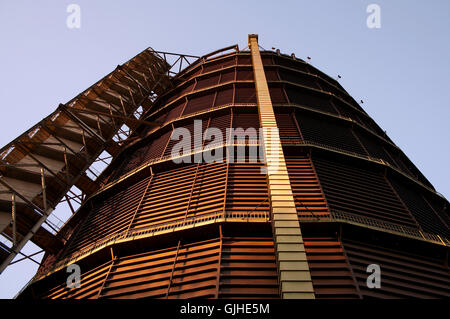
x: 366, y: 157
x: 345, y: 217
x: 243, y: 216
x: 170, y: 157
x: 169, y: 226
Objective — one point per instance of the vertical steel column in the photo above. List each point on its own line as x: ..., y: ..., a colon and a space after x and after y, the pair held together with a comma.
x: 45, y: 213
x: 293, y: 270
x: 14, y: 220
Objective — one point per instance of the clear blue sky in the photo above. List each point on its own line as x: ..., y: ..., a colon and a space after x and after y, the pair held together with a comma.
x: 401, y: 71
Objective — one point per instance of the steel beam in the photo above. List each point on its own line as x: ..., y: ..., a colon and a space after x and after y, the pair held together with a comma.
x: 294, y: 275
x: 46, y: 212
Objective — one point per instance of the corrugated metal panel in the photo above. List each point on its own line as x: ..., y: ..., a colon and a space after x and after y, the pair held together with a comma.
x: 330, y: 271
x: 199, y: 102
x: 219, y: 64
x: 333, y: 134
x: 151, y: 150
x: 246, y: 188
x: 288, y: 128
x: 224, y: 96
x: 183, y: 271
x: 308, y: 195
x: 314, y: 100
x: 221, y: 121
x: 245, y: 94
x: 248, y: 268
x: 403, y: 275
x: 360, y: 191
x: 108, y: 216
x: 207, y: 81
x: 299, y: 78
x: 291, y: 63
x: 244, y: 74
x: 277, y: 95
x: 91, y: 284
x: 421, y: 210
x: 227, y: 75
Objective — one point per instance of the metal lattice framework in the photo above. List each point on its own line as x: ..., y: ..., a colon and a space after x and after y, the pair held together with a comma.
x: 56, y: 160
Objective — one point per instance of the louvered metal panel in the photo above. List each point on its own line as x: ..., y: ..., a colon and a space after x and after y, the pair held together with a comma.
x: 221, y: 121
x: 167, y: 197
x: 288, y: 128
x: 183, y: 271
x: 291, y: 63
x: 373, y: 148
x: 403, y: 275
x: 248, y: 268
x: 334, y: 134
x: 108, y: 216
x: 219, y: 63
x: 246, y: 188
x: 298, y: 78
x: 176, y: 111
x: 309, y: 198
x: 245, y: 94
x: 227, y: 75
x: 204, y: 230
x: 207, y: 81
x: 152, y: 150
x: 277, y: 95
x: 92, y: 284
x: 330, y: 271
x: 314, y: 100
x: 361, y: 192
x: 420, y: 209
x: 224, y: 96
x: 199, y: 103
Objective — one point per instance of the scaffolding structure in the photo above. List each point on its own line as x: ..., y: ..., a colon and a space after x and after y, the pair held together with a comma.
x: 54, y: 161
x: 159, y: 224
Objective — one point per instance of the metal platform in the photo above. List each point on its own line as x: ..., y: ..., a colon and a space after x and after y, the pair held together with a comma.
x: 39, y: 168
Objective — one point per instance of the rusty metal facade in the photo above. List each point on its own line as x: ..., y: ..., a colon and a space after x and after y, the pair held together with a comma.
x: 157, y: 229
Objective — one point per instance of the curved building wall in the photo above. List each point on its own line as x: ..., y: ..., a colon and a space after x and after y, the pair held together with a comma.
x: 158, y: 229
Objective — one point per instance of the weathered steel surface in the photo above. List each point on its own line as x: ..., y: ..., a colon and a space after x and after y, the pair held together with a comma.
x: 159, y: 229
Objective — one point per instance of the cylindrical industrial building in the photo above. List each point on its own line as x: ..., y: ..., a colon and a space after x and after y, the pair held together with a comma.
x: 300, y: 200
